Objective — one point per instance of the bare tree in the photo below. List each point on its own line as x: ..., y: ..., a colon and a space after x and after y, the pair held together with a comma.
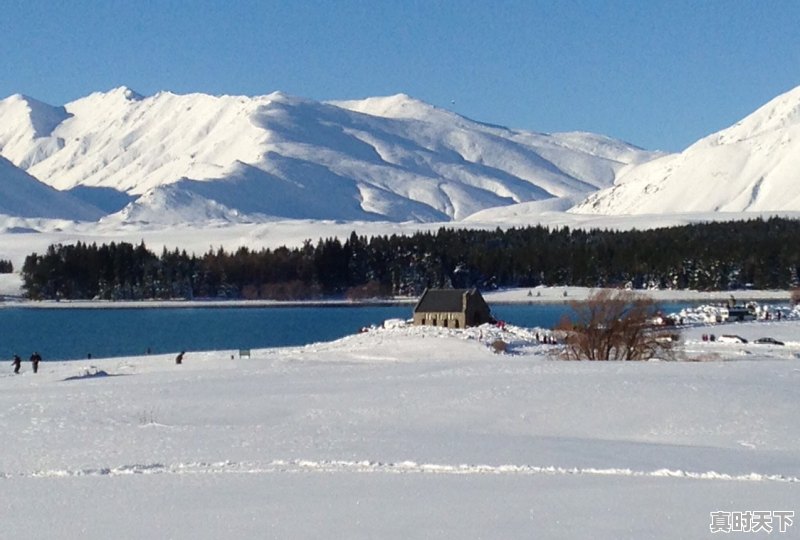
x: 795, y: 296
x: 614, y: 325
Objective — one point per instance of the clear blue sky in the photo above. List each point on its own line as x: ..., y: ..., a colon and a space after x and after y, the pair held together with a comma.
x: 659, y: 74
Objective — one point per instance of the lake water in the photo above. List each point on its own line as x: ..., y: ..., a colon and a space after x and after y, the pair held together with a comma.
x: 74, y: 333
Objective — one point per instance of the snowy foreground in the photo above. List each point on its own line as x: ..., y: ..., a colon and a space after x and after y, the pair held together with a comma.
x: 404, y: 433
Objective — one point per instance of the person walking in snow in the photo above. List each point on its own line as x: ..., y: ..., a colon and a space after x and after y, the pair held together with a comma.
x: 35, y: 359
x: 16, y: 362
x: 179, y: 358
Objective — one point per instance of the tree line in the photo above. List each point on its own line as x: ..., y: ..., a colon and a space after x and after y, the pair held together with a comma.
x: 710, y: 256
x: 6, y: 267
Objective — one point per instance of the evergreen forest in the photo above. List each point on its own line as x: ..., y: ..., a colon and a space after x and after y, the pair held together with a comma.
x: 711, y: 256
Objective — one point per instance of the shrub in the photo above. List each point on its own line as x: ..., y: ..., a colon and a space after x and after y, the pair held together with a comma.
x: 290, y: 290
x: 614, y: 325
x: 371, y: 289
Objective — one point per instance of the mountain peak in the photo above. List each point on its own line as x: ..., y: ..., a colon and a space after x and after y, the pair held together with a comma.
x: 748, y: 167
x: 127, y: 93
x: 25, y: 101
x: 120, y: 94
x: 39, y: 116
x: 395, y: 106
x: 17, y: 98
x: 779, y: 113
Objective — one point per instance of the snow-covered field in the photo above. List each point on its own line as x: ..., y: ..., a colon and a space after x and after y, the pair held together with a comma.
x: 404, y: 433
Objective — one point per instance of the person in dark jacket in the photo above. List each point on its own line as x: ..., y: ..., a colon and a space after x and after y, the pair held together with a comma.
x: 179, y: 358
x: 35, y: 359
x: 16, y: 362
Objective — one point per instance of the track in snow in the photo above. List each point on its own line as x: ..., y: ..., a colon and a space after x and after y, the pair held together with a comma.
x: 403, y: 467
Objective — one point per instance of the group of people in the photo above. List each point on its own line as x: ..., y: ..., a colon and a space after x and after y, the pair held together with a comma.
x: 35, y: 359
x: 548, y: 339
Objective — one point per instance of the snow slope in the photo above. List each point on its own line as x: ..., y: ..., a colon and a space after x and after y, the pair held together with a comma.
x: 751, y: 166
x: 401, y: 433
x: 24, y: 196
x: 392, y: 158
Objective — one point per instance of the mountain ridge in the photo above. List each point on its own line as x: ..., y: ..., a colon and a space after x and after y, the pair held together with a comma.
x: 169, y: 158
x: 749, y: 166
x: 386, y: 158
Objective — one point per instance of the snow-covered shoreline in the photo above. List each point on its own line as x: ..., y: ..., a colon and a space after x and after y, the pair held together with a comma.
x: 221, y: 304
x: 536, y: 295
x: 567, y: 294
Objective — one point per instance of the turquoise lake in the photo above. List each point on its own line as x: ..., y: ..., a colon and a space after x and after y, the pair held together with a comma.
x: 75, y: 333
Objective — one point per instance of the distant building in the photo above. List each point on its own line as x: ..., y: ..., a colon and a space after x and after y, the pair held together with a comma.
x: 451, y: 308
x: 740, y: 313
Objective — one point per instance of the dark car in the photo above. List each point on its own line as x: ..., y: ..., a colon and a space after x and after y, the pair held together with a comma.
x: 768, y: 341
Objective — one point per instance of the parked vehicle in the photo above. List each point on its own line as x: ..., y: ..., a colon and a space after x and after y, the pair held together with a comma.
x: 768, y: 341
x: 731, y: 338
x: 739, y: 313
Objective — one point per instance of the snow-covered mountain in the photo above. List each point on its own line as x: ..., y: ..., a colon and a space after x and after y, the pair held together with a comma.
x: 22, y: 195
x: 751, y: 166
x: 199, y: 157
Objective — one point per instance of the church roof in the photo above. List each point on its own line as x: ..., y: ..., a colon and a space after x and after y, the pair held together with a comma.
x: 442, y: 300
